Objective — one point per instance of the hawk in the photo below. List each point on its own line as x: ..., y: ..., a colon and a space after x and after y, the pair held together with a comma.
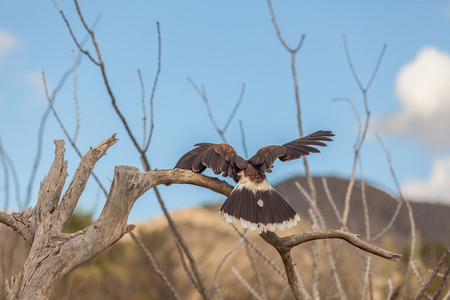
x: 253, y: 202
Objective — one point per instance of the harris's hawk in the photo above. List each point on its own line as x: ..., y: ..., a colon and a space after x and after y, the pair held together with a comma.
x: 253, y: 202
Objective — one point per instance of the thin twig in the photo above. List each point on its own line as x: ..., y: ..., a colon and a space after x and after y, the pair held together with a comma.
x: 80, y: 47
x: 293, y: 52
x: 301, y: 284
x: 44, y: 118
x: 318, y: 219
x: 315, y: 269
x: 280, y: 37
x: 216, y: 273
x: 446, y: 297
x: 358, y: 118
x: 419, y: 277
x: 318, y: 224
x: 222, y: 135
x: 181, y: 244
x: 179, y: 241
x: 443, y: 283
x: 245, y: 283
x: 101, y: 65
x: 55, y: 114
x: 259, y: 279
x: 155, y: 82
x: 334, y: 273
x: 422, y: 291
x: 154, y: 265
x: 244, y: 145
x: 184, y: 264
x: 75, y: 97
x: 261, y: 254
x: 144, y: 110
x: 394, y: 216
x: 366, y: 278
x: 411, y: 220
x: 202, y: 94
x: 352, y: 68
x: 316, y: 212
x: 230, y: 118
x: 377, y: 66
x: 362, y: 136
x: 6, y: 178
x: 66, y: 133
x: 330, y: 199
x: 364, y: 201
x: 390, y: 289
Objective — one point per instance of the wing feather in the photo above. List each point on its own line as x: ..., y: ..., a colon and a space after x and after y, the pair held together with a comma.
x: 220, y: 158
x: 265, y: 157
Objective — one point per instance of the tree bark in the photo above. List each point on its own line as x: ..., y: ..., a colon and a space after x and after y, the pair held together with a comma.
x: 54, y: 254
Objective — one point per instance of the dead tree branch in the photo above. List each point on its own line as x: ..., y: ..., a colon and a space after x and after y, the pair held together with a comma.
x: 155, y: 266
x: 293, y: 52
x: 362, y: 133
x: 285, y: 244
x: 54, y: 254
x: 288, y: 242
x: 422, y: 292
x: 152, y: 96
x: 142, y: 151
x: 216, y: 273
x: 411, y: 221
x: 44, y: 118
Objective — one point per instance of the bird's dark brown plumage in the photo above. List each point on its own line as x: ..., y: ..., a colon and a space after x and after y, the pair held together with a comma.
x: 253, y: 202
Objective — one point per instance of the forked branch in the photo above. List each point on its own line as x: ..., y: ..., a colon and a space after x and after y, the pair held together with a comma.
x: 285, y: 244
x: 288, y: 242
x: 54, y: 254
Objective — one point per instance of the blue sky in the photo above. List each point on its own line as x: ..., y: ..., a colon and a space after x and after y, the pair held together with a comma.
x: 222, y: 45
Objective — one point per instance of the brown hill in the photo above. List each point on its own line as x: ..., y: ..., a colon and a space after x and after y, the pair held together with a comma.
x: 432, y: 221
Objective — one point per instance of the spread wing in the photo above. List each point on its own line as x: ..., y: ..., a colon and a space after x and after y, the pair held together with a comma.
x: 220, y: 158
x: 265, y: 157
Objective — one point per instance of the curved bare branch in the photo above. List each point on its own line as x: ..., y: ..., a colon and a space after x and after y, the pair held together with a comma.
x: 288, y: 242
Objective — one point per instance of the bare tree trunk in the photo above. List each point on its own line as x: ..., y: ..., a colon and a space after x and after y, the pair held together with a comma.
x: 53, y: 253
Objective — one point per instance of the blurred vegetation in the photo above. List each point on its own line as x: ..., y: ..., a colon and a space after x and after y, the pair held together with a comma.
x: 123, y: 272
x: 78, y: 221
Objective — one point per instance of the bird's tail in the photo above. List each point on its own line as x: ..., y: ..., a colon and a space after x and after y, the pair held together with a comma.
x: 258, y: 207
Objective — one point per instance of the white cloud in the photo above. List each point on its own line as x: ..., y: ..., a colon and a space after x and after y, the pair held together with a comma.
x: 436, y: 187
x: 423, y: 89
x: 7, y: 43
x: 33, y: 79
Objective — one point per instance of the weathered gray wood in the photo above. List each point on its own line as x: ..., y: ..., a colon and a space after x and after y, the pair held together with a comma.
x: 54, y: 254
x: 76, y: 187
x: 288, y: 242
